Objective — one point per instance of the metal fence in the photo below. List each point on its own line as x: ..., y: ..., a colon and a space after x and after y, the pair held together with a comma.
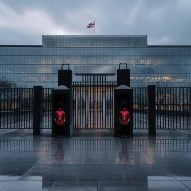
x: 140, y: 107
x: 47, y: 108
x: 173, y: 106
x: 93, y: 107
x: 16, y: 106
x: 93, y: 103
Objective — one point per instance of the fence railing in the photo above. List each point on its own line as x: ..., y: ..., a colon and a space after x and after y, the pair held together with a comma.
x: 140, y: 107
x: 47, y: 109
x: 173, y: 107
x: 16, y: 107
x: 93, y: 105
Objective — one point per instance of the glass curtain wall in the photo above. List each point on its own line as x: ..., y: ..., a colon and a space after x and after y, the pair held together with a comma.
x: 27, y: 66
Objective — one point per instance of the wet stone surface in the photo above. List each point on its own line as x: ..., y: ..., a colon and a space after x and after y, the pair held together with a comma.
x: 95, y: 161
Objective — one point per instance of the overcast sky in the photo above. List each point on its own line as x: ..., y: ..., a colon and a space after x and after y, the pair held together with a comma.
x: 164, y: 21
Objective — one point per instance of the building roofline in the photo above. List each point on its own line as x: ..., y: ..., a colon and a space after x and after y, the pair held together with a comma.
x: 148, y: 46
x: 20, y: 45
x: 162, y: 46
x: 112, y: 35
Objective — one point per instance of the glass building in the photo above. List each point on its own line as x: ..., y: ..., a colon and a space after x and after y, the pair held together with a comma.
x: 31, y: 65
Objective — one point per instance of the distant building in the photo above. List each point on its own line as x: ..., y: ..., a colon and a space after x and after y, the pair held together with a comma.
x: 38, y: 64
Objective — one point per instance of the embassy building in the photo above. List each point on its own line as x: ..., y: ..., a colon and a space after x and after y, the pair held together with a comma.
x: 31, y: 65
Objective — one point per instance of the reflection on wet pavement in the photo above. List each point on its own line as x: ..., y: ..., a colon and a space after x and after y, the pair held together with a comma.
x: 95, y: 162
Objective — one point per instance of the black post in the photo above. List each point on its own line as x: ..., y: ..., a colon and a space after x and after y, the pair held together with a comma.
x: 151, y: 110
x: 65, y: 78
x: 123, y: 76
x: 37, y: 109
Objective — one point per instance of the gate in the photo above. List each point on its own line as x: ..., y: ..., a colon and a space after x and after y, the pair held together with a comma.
x: 93, y: 102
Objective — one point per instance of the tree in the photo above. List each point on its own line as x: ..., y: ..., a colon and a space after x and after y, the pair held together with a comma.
x: 5, y: 84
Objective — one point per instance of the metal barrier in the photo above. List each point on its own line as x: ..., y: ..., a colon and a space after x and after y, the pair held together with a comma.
x: 16, y: 106
x: 173, y: 106
x: 93, y: 102
x: 47, y: 108
x: 93, y: 106
x: 140, y: 108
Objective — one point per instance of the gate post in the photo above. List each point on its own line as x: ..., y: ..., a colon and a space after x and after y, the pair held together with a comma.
x: 123, y: 76
x: 37, y: 109
x: 151, y: 110
x: 123, y: 95
x: 65, y: 77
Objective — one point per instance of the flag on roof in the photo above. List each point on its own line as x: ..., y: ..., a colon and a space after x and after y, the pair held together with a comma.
x: 91, y: 25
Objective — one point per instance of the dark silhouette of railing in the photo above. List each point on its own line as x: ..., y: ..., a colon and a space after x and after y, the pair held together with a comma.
x: 173, y: 107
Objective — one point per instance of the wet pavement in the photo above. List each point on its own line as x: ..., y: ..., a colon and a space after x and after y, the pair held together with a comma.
x: 95, y: 161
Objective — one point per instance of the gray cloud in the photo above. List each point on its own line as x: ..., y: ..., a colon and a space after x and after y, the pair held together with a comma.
x: 164, y: 21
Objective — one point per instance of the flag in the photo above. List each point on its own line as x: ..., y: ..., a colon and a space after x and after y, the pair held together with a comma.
x: 91, y: 25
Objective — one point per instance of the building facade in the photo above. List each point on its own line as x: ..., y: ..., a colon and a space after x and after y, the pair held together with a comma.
x: 26, y: 66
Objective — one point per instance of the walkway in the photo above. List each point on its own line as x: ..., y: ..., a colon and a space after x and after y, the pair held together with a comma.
x: 95, y: 163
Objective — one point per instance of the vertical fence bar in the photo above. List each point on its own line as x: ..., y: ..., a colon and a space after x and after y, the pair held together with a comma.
x: 173, y: 108
x: 168, y: 108
x: 3, y: 109
x: 159, y: 93
x: 80, y: 114
x: 7, y: 115
x: 101, y: 99
x: 161, y: 106
x: 44, y: 125
x: 15, y: 109
x: 176, y: 111
x: 108, y: 104
x: 90, y: 100
x: 164, y: 110
x: 1, y: 90
x: 141, y: 108
x: 151, y: 110
x: 135, y: 107
x: 23, y: 108
x: 97, y: 101
x: 187, y: 104
x: 37, y: 109
x: 104, y: 99
x: 104, y: 106
x: 19, y: 107
x: 102, y: 92
x: 189, y: 107
x: 74, y: 106
x: 10, y: 108
x: 183, y: 114
x: 75, y: 102
x: 86, y: 101
x: 29, y: 105
x: 48, y: 107
x: 180, y: 115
